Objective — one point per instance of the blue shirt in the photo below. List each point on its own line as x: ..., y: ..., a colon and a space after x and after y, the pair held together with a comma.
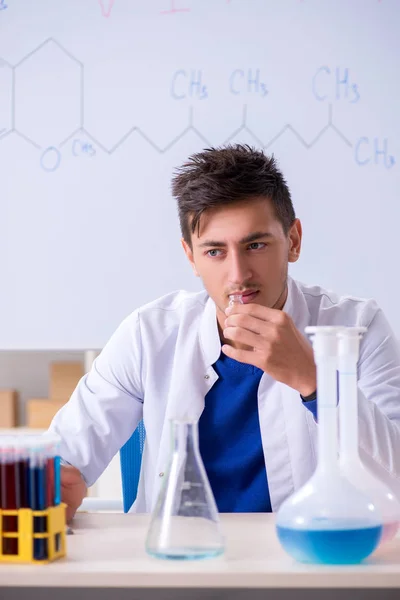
x: 230, y: 439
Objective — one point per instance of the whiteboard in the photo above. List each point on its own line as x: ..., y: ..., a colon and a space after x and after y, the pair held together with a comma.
x: 101, y: 100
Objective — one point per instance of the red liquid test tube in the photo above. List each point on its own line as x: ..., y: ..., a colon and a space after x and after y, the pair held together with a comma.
x: 22, y: 460
x: 10, y: 491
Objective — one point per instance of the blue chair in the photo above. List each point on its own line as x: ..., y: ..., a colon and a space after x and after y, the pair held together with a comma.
x: 131, y: 458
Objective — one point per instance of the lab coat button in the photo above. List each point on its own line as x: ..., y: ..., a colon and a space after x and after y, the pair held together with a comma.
x: 206, y: 377
x: 161, y: 474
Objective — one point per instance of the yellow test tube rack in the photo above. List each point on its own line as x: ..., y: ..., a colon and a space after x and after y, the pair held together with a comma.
x: 55, y: 519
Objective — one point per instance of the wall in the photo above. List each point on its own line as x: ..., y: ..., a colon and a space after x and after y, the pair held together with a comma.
x: 28, y: 372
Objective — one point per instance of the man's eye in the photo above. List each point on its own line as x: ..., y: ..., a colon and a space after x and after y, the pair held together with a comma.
x: 256, y: 245
x: 213, y: 253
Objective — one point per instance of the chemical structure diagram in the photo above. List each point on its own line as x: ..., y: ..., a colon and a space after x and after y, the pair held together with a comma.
x: 328, y: 84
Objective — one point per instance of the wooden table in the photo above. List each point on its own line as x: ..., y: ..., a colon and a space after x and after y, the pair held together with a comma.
x: 107, y: 551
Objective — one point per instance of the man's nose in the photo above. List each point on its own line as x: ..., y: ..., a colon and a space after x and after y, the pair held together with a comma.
x: 239, y: 270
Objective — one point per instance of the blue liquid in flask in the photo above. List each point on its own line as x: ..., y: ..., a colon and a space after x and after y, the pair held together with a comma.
x: 330, y: 546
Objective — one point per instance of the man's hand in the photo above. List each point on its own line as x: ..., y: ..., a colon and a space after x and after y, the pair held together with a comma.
x: 271, y: 343
x: 73, y: 489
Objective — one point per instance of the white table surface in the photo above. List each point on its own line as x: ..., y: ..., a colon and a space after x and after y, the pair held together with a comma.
x: 108, y: 550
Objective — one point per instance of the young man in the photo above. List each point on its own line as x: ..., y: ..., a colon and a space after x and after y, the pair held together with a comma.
x: 246, y: 372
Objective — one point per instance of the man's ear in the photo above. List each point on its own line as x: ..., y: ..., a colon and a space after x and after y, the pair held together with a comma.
x: 189, y: 254
x: 295, y: 235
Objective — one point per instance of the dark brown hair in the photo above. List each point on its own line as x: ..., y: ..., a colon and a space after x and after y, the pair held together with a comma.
x: 217, y: 177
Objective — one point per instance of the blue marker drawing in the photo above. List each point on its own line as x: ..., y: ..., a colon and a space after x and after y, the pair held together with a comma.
x: 53, y: 161
x: 240, y: 82
x: 325, y: 70
x: 3, y: 5
x: 388, y: 160
x: 329, y: 85
x: 378, y: 155
x: 337, y: 84
x: 80, y: 147
x: 185, y: 84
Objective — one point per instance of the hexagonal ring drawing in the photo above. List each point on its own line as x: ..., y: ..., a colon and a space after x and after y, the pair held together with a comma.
x: 48, y: 94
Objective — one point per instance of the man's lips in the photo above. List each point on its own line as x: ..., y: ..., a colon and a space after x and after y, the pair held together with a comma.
x: 246, y: 296
x: 249, y: 297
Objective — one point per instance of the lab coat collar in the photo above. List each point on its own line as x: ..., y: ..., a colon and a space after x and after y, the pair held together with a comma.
x: 210, y: 341
x: 296, y: 306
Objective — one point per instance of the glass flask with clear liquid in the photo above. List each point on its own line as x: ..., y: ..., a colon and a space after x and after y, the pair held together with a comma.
x: 185, y: 522
x: 350, y: 462
x: 328, y: 521
x: 235, y: 299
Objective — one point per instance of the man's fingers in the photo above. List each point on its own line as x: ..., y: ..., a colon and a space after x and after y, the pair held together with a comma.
x: 238, y: 334
x: 73, y: 499
x: 244, y: 356
x: 73, y: 489
x: 245, y: 321
x: 70, y: 513
x: 256, y: 310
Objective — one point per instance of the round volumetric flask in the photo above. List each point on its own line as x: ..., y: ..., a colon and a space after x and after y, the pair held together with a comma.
x: 350, y: 462
x: 328, y: 521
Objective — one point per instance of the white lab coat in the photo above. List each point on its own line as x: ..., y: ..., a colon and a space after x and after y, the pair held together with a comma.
x: 158, y: 365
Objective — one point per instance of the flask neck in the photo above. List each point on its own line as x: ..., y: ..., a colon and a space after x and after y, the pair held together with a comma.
x: 185, y: 436
x: 348, y: 409
x: 327, y: 415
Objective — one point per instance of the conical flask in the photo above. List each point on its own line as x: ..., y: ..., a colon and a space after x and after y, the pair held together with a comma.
x: 185, y: 521
x: 350, y: 462
x: 328, y: 520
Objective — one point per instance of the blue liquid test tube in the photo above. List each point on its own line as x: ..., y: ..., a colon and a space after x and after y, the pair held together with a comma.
x: 57, y: 473
x: 54, y: 471
x: 53, y: 442
x: 37, y: 494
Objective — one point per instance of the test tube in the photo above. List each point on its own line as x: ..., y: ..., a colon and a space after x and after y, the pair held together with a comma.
x: 53, y: 475
x: 53, y: 469
x: 50, y: 490
x: 10, y: 493
x: 22, y: 465
x: 37, y: 494
x: 57, y: 471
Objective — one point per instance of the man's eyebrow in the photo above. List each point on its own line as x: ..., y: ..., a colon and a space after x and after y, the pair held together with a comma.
x: 252, y: 237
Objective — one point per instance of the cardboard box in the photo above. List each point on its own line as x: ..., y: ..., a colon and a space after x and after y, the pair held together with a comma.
x: 8, y: 408
x: 40, y: 412
x: 64, y: 377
